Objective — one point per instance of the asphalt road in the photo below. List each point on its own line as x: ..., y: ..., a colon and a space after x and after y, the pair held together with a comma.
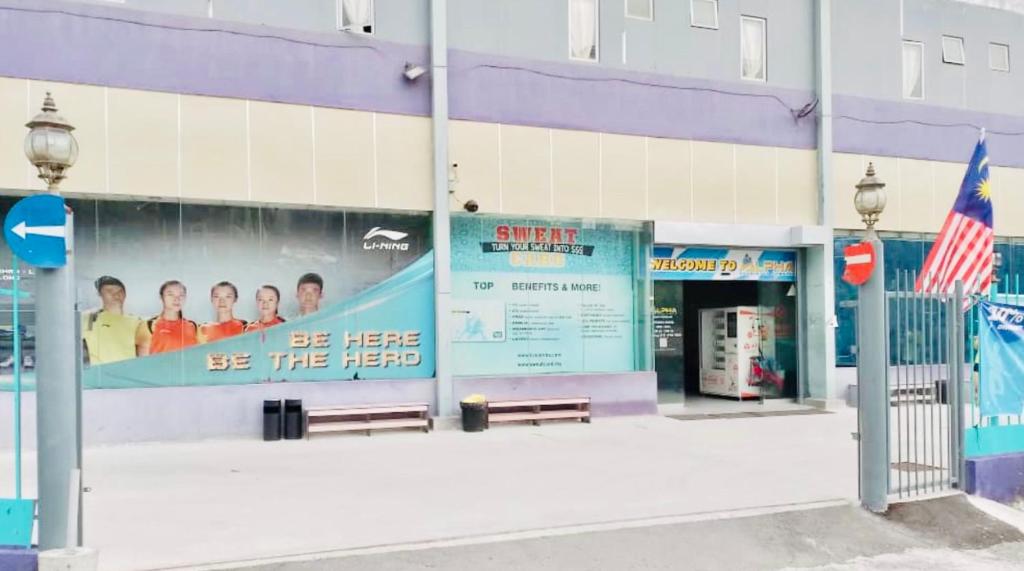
x: 843, y: 538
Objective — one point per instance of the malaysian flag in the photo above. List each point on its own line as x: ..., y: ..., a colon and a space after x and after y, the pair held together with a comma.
x: 963, y: 249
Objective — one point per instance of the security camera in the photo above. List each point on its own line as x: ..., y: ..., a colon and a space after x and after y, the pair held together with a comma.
x: 471, y: 206
x: 413, y: 71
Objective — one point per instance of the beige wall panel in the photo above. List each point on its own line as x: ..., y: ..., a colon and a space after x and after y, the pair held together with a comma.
x: 404, y: 162
x: 916, y: 196
x: 948, y: 177
x: 623, y: 177
x: 1007, y: 200
x: 281, y: 153
x: 213, y: 152
x: 798, y: 186
x: 344, y: 157
x: 576, y: 160
x: 525, y: 170
x: 14, y: 167
x: 755, y: 185
x: 713, y: 183
x: 474, y: 147
x: 82, y: 106
x: 143, y: 130
x: 668, y: 167
x: 847, y: 170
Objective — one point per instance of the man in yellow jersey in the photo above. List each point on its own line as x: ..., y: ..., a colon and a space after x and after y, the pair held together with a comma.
x: 108, y: 333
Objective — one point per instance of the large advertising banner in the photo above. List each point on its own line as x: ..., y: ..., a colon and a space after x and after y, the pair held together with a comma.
x: 175, y: 294
x: 685, y: 263
x: 1002, y: 359
x: 542, y: 296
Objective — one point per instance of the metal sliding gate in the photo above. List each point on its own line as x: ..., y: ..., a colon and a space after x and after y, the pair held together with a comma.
x: 926, y: 379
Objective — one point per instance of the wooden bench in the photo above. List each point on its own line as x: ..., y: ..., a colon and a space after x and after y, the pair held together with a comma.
x: 367, y: 417
x: 536, y: 410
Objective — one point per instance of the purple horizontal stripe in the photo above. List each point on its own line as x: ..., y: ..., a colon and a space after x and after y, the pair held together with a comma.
x: 99, y: 45
x: 585, y: 97
x: 898, y: 129
x: 112, y: 46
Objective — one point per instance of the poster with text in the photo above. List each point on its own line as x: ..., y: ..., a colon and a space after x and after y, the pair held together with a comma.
x: 176, y: 294
x: 535, y: 296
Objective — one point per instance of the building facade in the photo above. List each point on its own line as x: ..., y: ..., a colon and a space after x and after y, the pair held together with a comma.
x: 612, y: 169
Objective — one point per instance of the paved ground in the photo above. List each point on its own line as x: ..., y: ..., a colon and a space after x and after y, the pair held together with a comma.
x: 165, y: 505
x: 844, y: 538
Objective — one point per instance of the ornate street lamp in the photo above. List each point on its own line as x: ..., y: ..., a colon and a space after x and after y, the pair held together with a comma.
x: 49, y: 144
x: 870, y: 198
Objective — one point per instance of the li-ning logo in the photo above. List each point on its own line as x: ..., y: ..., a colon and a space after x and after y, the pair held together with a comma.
x: 392, y: 240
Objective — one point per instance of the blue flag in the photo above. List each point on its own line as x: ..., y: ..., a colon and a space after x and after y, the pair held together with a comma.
x: 1002, y: 359
x: 975, y: 197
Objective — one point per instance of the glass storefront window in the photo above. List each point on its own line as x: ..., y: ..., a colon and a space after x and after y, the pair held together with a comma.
x: 549, y: 295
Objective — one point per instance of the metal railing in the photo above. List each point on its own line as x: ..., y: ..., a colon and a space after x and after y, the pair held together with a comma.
x: 925, y: 380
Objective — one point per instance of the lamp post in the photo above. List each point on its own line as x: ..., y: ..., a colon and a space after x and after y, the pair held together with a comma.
x: 52, y: 148
x: 872, y: 368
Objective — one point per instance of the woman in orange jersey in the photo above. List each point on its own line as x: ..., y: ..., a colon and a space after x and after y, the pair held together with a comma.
x: 169, y: 331
x: 268, y: 298
x: 223, y: 296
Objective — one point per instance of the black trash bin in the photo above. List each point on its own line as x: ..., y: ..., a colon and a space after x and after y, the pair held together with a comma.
x: 292, y: 419
x: 474, y: 416
x: 271, y: 420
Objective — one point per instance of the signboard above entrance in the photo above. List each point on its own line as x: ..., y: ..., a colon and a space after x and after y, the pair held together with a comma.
x: 683, y: 263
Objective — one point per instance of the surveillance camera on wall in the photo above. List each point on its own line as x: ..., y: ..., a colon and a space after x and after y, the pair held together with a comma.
x: 471, y: 206
x: 413, y: 71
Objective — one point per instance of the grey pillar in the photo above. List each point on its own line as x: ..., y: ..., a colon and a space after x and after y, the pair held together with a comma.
x: 57, y: 396
x: 442, y: 218
x: 872, y: 386
x: 821, y: 336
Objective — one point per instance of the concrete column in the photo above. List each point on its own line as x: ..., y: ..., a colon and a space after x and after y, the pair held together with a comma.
x: 442, y: 218
x: 872, y: 387
x: 57, y: 397
x: 821, y: 335
x: 820, y: 348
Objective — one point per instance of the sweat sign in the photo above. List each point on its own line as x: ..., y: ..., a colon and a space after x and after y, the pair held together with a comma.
x: 542, y: 296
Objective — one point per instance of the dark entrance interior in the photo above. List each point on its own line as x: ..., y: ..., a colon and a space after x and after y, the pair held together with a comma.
x: 677, y: 308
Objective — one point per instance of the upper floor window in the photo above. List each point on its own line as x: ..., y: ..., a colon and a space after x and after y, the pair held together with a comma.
x: 704, y: 14
x: 953, y: 50
x: 913, y: 70
x: 754, y: 48
x: 999, y: 57
x: 583, y: 29
x: 642, y: 9
x: 356, y: 16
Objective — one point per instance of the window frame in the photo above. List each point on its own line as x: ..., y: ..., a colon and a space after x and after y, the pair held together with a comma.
x: 764, y: 47
x: 903, y: 88
x: 1006, y: 49
x: 650, y: 10
x: 693, y: 21
x: 340, y: 19
x: 597, y: 33
x: 963, y: 50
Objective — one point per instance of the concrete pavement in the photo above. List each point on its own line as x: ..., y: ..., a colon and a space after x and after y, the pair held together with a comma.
x: 842, y: 537
x: 166, y: 505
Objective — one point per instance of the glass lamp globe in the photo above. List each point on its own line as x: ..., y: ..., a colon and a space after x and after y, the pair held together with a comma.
x: 870, y: 197
x: 49, y: 144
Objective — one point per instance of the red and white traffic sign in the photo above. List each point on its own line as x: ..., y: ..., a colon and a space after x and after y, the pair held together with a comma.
x: 860, y: 263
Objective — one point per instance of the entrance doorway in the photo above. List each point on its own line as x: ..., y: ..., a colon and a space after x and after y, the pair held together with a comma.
x: 719, y: 345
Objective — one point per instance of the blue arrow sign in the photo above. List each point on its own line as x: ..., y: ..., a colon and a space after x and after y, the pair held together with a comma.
x: 35, y: 230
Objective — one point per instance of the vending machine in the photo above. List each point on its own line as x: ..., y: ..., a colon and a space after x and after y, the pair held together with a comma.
x: 733, y: 343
